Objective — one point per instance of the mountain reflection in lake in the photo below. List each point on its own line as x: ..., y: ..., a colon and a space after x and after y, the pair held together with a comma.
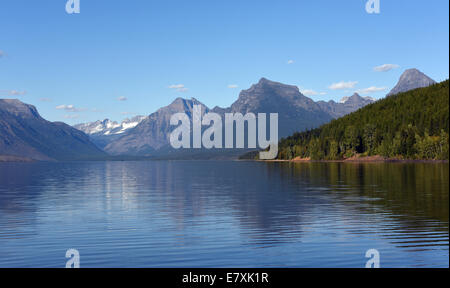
x: 223, y: 214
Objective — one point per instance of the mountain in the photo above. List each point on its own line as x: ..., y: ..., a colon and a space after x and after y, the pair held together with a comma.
x: 356, y: 99
x: 25, y: 134
x: 296, y: 112
x: 104, y: 132
x: 410, y: 125
x: 346, y: 106
x: 411, y: 79
x: 152, y: 134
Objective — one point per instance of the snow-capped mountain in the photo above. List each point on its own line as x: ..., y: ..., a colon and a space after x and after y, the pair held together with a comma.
x: 108, y: 127
x: 102, y: 132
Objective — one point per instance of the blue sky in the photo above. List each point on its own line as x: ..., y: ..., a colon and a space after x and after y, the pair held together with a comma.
x: 147, y: 53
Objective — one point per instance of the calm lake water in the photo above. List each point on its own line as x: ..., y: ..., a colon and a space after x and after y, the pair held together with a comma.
x: 223, y: 214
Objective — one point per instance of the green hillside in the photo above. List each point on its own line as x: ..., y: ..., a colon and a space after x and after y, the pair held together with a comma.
x: 411, y: 125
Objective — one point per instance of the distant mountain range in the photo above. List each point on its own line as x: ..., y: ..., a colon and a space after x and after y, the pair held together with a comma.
x: 104, y: 132
x: 346, y: 105
x: 296, y: 113
x: 24, y: 134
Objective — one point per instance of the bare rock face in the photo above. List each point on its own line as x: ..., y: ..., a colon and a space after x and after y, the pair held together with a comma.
x: 153, y: 133
x: 296, y: 112
x: 269, y: 95
x: 411, y: 79
x: 24, y: 133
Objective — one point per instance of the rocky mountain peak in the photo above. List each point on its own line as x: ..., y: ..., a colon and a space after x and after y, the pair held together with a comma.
x: 411, y: 79
x: 18, y: 108
x: 24, y: 133
x: 268, y: 95
x: 356, y: 99
x: 179, y: 105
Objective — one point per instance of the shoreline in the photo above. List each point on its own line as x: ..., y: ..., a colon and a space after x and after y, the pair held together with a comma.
x: 15, y: 159
x: 369, y: 159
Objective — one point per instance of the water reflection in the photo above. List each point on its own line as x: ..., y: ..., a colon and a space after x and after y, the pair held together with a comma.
x: 206, y: 213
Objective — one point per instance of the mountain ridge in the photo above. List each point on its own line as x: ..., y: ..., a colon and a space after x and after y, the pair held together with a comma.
x: 346, y: 105
x: 25, y: 134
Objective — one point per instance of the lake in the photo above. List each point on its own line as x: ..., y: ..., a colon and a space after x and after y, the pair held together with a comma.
x: 224, y: 214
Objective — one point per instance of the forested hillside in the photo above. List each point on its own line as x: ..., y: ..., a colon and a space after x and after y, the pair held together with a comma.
x: 410, y: 125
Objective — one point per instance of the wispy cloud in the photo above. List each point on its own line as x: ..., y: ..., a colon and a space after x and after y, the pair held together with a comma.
x: 2, y: 53
x: 309, y: 92
x: 343, y: 85
x: 12, y: 93
x: 122, y: 98
x: 17, y: 93
x: 233, y: 86
x: 289, y: 62
x: 69, y: 108
x: 372, y: 89
x: 386, y: 67
x: 45, y: 100
x: 179, y: 87
x: 73, y: 116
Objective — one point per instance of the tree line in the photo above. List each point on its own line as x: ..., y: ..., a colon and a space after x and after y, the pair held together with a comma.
x: 410, y: 125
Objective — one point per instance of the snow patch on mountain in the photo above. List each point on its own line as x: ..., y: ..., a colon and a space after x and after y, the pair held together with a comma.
x: 108, y: 127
